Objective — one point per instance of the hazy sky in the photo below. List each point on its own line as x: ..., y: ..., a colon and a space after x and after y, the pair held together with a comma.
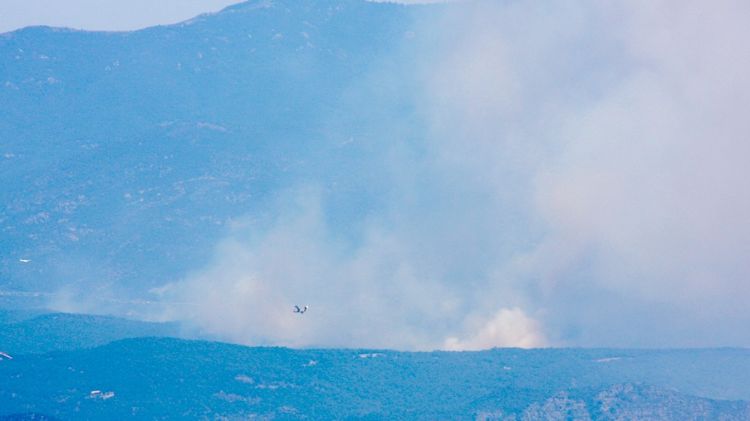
x: 102, y: 14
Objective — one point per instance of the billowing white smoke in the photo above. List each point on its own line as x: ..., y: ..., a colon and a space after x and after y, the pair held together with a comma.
x: 585, y: 183
x: 380, y: 294
x: 508, y: 328
x: 648, y: 190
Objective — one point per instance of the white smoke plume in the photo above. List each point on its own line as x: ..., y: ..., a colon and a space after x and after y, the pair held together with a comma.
x: 584, y: 183
x: 508, y: 328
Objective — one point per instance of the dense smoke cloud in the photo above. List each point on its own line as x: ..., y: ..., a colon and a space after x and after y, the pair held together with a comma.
x: 584, y: 183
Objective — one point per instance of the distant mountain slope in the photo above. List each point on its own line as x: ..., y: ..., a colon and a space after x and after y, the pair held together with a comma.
x: 11, y: 316
x: 152, y: 378
x: 144, y: 146
x: 59, y: 331
x: 29, y: 416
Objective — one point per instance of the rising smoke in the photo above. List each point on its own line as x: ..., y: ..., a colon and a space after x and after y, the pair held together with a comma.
x: 582, y: 182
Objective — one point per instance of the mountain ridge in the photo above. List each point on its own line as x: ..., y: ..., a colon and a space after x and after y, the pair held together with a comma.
x: 177, y: 377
